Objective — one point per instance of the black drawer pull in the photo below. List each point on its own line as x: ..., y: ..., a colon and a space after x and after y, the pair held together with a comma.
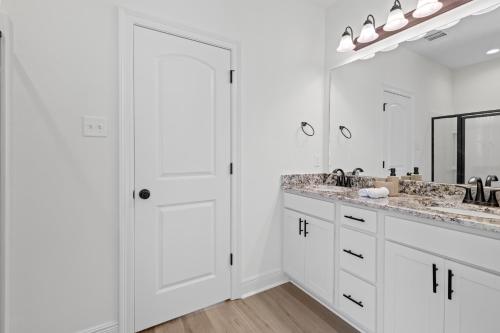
x: 358, y: 303
x: 300, y: 226
x: 360, y: 256
x: 354, y: 218
x: 305, y: 228
x: 450, y: 281
x: 434, y: 279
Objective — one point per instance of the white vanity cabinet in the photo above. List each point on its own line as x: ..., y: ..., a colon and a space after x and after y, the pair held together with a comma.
x: 308, y: 245
x: 414, y: 292
x: 475, y: 301
x: 428, y: 293
x: 385, y: 273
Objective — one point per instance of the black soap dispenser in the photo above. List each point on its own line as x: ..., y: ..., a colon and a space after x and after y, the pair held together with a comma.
x: 416, y: 176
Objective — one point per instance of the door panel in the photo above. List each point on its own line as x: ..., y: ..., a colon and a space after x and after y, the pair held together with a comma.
x: 411, y: 305
x: 293, y: 246
x: 182, y: 155
x: 475, y: 301
x: 398, y: 133
x: 319, y: 258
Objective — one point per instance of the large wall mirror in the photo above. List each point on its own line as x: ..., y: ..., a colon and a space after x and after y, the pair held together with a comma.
x: 432, y: 103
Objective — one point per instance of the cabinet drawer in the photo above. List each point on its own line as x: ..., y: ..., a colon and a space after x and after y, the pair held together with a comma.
x: 312, y: 207
x: 359, y: 218
x: 476, y: 250
x: 357, y: 300
x: 358, y: 253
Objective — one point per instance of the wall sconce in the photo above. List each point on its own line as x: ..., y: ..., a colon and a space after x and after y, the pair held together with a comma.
x: 368, y: 33
x: 426, y: 8
x: 396, y: 19
x: 347, y: 41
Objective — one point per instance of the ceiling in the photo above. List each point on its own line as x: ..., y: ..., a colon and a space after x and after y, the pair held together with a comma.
x: 464, y: 44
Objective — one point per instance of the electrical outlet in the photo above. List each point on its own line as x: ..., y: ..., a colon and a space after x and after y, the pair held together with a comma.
x: 94, y: 126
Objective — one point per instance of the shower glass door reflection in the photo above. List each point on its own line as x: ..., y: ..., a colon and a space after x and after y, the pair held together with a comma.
x: 481, y: 145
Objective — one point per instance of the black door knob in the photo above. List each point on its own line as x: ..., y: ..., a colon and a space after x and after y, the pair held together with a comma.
x: 144, y: 194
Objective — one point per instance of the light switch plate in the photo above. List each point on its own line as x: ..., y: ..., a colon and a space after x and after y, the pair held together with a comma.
x: 94, y: 126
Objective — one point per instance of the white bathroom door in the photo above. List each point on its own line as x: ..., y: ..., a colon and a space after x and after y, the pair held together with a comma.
x: 399, y: 142
x: 182, y: 157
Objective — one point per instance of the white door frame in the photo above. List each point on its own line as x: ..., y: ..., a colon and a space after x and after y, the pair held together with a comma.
x: 127, y: 19
x: 5, y: 109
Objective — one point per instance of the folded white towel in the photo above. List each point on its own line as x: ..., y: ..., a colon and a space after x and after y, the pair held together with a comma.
x: 374, y: 193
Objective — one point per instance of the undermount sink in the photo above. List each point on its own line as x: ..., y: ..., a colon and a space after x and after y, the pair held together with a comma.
x: 466, y: 212
x: 330, y: 188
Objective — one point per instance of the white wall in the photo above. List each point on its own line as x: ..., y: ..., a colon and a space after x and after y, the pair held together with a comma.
x: 475, y: 87
x: 63, y: 272
x: 357, y: 98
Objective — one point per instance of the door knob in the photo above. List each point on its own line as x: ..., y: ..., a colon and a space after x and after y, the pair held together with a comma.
x: 144, y: 194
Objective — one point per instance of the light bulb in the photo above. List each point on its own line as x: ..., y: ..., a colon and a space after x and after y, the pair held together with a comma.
x: 427, y: 7
x: 346, y: 42
x: 396, y: 19
x: 368, y: 33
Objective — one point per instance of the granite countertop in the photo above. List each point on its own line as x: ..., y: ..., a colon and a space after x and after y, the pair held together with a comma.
x: 412, y: 205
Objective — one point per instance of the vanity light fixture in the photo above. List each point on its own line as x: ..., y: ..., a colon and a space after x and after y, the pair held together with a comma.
x: 368, y: 33
x: 427, y: 7
x: 396, y: 19
x: 492, y: 51
x: 347, y: 41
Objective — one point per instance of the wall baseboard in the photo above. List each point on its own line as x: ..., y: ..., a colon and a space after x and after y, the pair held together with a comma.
x: 262, y: 282
x: 111, y: 327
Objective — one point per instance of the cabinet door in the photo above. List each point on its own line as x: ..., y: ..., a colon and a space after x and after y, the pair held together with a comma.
x: 293, y: 245
x: 319, y: 258
x: 414, y: 291
x: 475, y: 300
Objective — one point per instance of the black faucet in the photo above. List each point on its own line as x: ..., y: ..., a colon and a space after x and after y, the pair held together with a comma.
x: 489, y: 179
x: 341, y: 180
x: 480, y: 190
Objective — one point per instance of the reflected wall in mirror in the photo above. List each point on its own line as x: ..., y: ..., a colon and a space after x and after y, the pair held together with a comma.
x: 430, y: 103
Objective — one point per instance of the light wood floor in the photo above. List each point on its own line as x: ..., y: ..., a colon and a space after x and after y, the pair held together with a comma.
x: 282, y: 309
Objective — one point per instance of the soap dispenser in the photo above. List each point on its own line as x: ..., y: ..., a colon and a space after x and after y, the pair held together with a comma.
x: 393, y: 177
x: 416, y: 176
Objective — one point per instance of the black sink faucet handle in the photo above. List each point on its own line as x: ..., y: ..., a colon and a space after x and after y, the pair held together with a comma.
x: 357, y: 171
x: 489, y: 179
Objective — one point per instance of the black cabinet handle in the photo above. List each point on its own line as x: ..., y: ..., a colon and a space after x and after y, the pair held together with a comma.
x: 360, y: 256
x: 300, y: 226
x: 450, y: 282
x: 354, y: 218
x: 434, y: 278
x: 358, y: 303
x: 305, y: 228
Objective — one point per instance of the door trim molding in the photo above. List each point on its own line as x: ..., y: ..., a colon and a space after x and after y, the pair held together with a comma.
x: 5, y: 112
x: 127, y: 19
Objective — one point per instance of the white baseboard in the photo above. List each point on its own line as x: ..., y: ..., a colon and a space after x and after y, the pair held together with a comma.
x: 262, y: 282
x: 111, y: 327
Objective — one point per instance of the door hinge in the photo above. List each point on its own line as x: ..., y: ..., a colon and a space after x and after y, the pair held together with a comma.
x: 384, y: 106
x: 231, y: 259
x: 231, y: 168
x: 231, y: 76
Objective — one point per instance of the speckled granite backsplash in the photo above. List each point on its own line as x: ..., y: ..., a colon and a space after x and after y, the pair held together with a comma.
x: 421, y: 188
